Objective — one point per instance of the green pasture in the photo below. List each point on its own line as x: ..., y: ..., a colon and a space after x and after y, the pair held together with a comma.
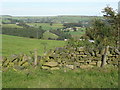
x: 46, y: 26
x: 16, y: 45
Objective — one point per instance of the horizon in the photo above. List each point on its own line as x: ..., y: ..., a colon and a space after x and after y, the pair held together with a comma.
x: 50, y: 15
x: 56, y: 8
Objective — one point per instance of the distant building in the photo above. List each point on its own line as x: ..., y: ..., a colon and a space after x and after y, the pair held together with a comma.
x: 65, y: 39
x: 17, y: 23
x: 119, y: 7
x: 92, y: 41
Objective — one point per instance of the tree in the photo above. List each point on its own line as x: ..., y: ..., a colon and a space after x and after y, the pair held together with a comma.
x: 51, y: 23
x: 105, y: 31
x: 113, y: 18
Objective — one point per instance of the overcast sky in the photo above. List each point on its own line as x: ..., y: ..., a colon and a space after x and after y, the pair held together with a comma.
x: 55, y: 7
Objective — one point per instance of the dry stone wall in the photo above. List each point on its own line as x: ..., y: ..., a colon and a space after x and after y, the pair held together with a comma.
x: 63, y: 57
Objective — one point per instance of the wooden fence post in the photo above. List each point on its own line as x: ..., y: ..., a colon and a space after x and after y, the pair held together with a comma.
x: 35, y: 53
x: 104, y: 57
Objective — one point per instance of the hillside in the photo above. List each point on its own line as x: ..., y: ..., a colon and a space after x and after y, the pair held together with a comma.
x: 15, y: 45
x: 49, y: 35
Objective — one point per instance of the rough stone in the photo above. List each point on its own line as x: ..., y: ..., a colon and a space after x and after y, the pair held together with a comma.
x: 70, y: 66
x: 45, y: 67
x: 80, y: 49
x: 98, y: 63
x: 82, y: 55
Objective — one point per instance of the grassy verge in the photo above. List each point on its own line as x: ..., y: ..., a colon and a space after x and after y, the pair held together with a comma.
x: 37, y: 78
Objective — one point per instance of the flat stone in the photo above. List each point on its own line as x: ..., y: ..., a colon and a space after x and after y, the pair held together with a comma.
x: 81, y: 61
x: 82, y: 55
x: 81, y: 49
x: 51, y: 64
x: 86, y: 66
x: 110, y: 55
x: 45, y: 67
x: 54, y: 68
x: 92, y: 63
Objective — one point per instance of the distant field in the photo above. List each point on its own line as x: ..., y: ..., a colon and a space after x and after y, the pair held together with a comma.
x: 77, y: 34
x: 59, y: 19
x: 46, y: 26
x: 11, y: 26
x: 15, y: 45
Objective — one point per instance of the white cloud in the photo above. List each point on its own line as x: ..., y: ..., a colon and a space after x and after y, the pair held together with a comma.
x: 60, y: 0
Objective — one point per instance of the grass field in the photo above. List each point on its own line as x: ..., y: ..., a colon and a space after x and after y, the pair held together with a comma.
x: 37, y: 78
x: 15, y: 45
x: 46, y: 26
x: 11, y: 26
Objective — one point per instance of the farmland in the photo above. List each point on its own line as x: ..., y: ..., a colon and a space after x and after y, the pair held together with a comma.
x: 16, y: 30
x: 55, y: 19
x: 31, y: 59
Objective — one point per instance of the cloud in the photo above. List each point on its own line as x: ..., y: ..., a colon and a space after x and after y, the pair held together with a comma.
x: 60, y: 1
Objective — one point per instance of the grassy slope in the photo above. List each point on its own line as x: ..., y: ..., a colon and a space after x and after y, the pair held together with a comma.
x: 16, y: 45
x: 37, y: 78
x: 47, y: 35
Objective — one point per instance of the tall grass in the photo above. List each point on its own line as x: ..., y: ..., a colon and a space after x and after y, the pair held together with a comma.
x: 37, y: 78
